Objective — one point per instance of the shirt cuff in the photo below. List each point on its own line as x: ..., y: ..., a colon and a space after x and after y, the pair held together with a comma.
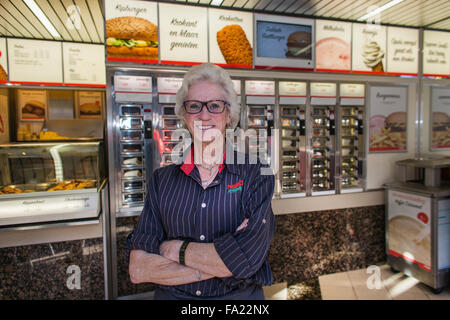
x: 232, y: 256
x: 139, y: 241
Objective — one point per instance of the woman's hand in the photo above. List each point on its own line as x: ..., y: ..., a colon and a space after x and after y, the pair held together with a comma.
x: 171, y: 249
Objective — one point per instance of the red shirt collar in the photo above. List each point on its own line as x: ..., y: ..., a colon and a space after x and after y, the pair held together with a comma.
x: 188, y: 164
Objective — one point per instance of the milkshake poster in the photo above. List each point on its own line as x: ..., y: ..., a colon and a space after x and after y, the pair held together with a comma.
x: 368, y: 48
x: 333, y: 46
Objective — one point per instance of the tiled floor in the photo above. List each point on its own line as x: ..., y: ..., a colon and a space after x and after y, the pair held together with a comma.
x: 354, y: 285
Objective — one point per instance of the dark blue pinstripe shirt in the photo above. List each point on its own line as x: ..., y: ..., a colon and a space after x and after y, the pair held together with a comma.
x: 177, y: 207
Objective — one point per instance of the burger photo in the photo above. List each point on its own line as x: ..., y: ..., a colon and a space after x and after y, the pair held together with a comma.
x: 299, y: 45
x: 33, y: 109
x: 441, y: 129
x: 131, y: 37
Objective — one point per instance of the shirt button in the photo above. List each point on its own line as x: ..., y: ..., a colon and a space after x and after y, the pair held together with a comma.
x: 198, y: 292
x: 263, y: 220
x: 203, y: 205
x: 202, y: 237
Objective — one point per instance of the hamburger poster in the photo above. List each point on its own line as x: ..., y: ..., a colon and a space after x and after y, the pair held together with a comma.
x: 368, y: 48
x: 32, y: 104
x: 333, y: 46
x: 387, y: 119
x: 231, y: 38
x: 3, y: 61
x: 131, y: 31
x: 440, y: 120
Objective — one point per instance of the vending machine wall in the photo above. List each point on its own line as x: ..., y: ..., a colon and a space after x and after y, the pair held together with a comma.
x: 131, y: 154
x: 292, y: 173
x: 351, y: 138
x: 167, y: 139
x: 322, y: 141
x: 259, y: 117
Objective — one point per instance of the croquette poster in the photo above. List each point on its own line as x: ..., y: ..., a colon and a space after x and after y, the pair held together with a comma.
x: 3, y: 61
x: 32, y: 104
x: 388, y: 119
x: 184, y: 34
x: 131, y: 31
x: 231, y: 38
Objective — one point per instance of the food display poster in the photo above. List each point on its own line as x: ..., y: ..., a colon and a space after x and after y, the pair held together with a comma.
x: 131, y: 31
x: 436, y: 53
x: 387, y: 119
x: 284, y: 42
x: 231, y: 38
x: 90, y: 104
x: 402, y: 51
x: 184, y: 34
x: 3, y: 61
x: 409, y: 227
x: 333, y: 46
x: 35, y: 62
x: 84, y: 64
x: 4, y: 116
x: 31, y: 104
x: 368, y: 48
x: 440, y: 118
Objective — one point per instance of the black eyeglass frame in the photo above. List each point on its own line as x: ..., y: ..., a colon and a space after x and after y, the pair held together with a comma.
x: 205, y: 104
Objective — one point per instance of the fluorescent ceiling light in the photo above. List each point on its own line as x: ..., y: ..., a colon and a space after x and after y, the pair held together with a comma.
x: 380, y: 9
x: 42, y: 17
x: 216, y: 2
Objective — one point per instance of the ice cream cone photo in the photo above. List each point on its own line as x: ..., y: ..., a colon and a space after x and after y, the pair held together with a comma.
x: 378, y: 67
x: 373, y: 56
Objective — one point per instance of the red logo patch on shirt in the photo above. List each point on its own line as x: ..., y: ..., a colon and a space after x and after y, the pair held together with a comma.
x: 235, y: 187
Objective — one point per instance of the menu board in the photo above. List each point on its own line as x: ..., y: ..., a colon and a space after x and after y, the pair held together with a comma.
x: 333, y: 46
x: 402, y: 51
x: 323, y: 93
x: 84, y: 64
x: 369, y: 48
x: 35, y: 62
x: 184, y: 34
x: 231, y: 38
x: 387, y: 119
x: 292, y: 92
x: 131, y: 31
x: 284, y: 42
x: 90, y: 104
x: 440, y: 118
x: 436, y: 53
x: 260, y: 88
x: 352, y: 94
x: 32, y: 104
x: 3, y: 61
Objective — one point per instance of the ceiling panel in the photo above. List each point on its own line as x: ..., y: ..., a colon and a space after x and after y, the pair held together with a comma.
x: 17, y: 20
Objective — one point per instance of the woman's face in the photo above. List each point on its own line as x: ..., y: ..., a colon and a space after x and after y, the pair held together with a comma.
x: 205, y: 126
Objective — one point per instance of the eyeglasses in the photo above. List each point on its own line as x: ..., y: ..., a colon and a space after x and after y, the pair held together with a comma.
x: 213, y: 106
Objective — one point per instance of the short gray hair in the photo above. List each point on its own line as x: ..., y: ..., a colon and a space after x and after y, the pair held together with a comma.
x: 215, y: 74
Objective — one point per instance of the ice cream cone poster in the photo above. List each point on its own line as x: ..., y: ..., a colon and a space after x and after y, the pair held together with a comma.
x: 440, y: 119
x: 3, y: 61
x: 231, y: 38
x: 333, y: 46
x: 183, y: 33
x: 131, y: 31
x: 436, y: 54
x: 32, y: 104
x: 368, y: 48
x: 387, y: 119
x: 409, y: 228
x: 402, y: 51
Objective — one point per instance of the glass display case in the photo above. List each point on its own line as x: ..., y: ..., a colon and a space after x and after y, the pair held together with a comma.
x: 44, y: 182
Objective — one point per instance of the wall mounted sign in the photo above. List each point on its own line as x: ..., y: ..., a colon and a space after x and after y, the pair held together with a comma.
x: 183, y: 34
x: 284, y: 42
x: 436, y: 53
x: 388, y: 119
x: 231, y: 38
x: 402, y: 51
x: 3, y: 61
x: 333, y: 46
x: 368, y: 48
x: 131, y: 31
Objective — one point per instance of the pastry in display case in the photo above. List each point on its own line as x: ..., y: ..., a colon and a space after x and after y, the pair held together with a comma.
x: 45, y: 182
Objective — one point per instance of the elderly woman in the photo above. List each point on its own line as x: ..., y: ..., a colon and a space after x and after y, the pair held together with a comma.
x: 207, y: 225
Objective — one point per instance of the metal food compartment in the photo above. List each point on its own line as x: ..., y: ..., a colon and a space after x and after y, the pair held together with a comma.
x: 418, y: 221
x: 47, y: 182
